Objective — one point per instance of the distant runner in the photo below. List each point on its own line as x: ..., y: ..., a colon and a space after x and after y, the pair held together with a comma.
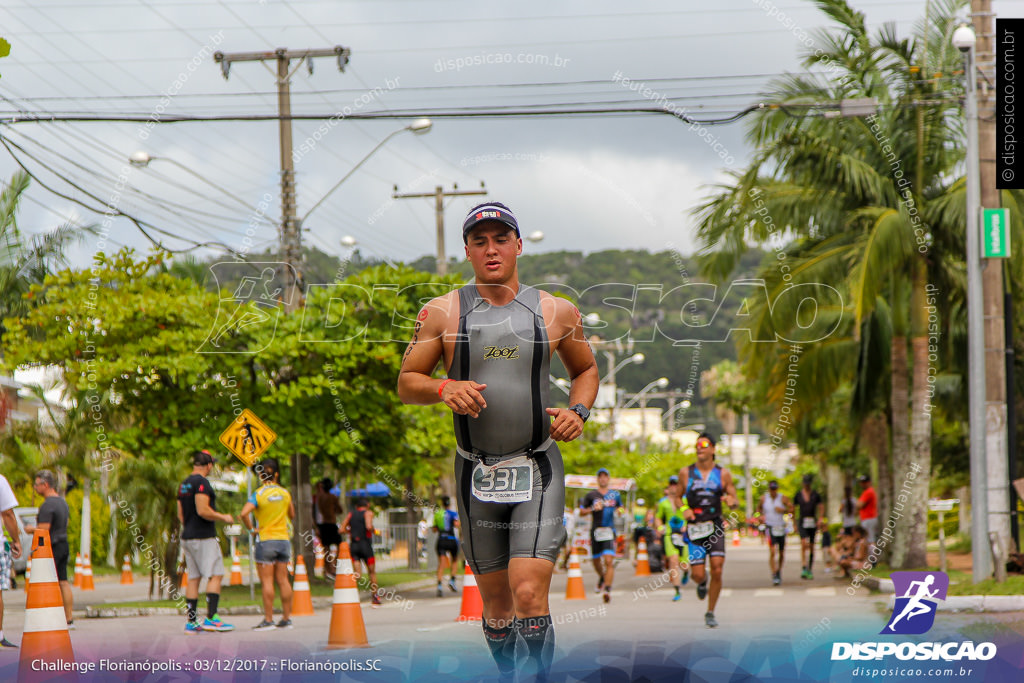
x: 774, y: 507
x: 811, y: 509
x: 671, y: 520
x: 601, y: 503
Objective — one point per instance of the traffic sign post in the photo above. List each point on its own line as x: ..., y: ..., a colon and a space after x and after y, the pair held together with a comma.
x: 942, y: 506
x: 995, y: 233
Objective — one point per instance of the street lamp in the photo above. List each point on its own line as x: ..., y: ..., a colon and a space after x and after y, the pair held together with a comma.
x: 535, y: 236
x: 142, y: 159
x: 561, y: 383
x: 964, y: 40
x: 610, y: 379
x: 659, y: 383
x: 419, y: 127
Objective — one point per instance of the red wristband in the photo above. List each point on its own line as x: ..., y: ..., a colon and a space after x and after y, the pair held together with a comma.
x: 442, y: 387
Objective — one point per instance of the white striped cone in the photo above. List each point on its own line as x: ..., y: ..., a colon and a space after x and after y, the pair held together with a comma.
x: 643, y: 565
x: 45, y: 636
x: 347, y: 628
x: 318, y: 567
x: 78, y: 570
x: 302, y: 599
x: 87, y: 583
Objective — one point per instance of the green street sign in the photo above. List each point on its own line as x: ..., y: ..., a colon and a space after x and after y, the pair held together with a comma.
x: 995, y: 233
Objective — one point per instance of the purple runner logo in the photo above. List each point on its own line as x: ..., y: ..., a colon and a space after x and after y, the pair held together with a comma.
x: 917, y: 596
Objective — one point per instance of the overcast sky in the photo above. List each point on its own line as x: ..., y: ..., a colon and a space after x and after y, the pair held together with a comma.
x: 587, y: 183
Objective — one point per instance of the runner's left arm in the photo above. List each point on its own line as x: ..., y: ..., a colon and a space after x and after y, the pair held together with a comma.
x: 574, y: 350
x: 730, y: 489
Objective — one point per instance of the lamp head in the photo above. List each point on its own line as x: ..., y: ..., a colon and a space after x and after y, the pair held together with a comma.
x: 140, y: 158
x: 421, y: 126
x: 964, y: 38
x: 637, y: 358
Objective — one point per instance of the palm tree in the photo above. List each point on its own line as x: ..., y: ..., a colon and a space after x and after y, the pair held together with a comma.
x: 26, y: 259
x: 872, y: 205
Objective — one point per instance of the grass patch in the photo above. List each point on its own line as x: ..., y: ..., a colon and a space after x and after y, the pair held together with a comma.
x: 237, y: 596
x: 960, y: 584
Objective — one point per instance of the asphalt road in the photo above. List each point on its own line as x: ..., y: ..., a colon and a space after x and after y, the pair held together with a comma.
x: 415, y: 633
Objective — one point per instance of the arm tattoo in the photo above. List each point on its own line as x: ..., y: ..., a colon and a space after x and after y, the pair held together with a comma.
x: 415, y: 338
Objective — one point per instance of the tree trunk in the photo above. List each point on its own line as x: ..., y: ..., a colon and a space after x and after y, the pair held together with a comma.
x: 894, y: 547
x: 912, y: 468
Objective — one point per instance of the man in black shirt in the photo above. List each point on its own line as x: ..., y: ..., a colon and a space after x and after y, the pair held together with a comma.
x: 811, y: 510
x: 53, y: 517
x: 197, y: 513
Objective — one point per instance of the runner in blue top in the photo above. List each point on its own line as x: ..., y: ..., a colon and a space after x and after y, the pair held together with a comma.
x: 602, y: 502
x: 446, y: 521
x: 708, y: 486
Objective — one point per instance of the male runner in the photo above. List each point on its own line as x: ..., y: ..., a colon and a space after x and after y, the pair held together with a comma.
x: 707, y: 487
x: 359, y: 526
x: 197, y: 512
x: 601, y: 503
x: 774, y: 507
x: 497, y: 333
x: 811, y: 508
x: 671, y: 520
x: 446, y: 521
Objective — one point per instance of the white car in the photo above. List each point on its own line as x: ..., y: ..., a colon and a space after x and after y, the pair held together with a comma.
x: 24, y: 516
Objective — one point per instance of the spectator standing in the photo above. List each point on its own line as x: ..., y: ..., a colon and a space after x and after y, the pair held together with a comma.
x: 867, y: 505
x: 271, y: 505
x: 11, y: 550
x: 53, y: 517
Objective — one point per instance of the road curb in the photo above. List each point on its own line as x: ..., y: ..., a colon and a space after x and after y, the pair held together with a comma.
x: 956, y: 603
x: 324, y: 602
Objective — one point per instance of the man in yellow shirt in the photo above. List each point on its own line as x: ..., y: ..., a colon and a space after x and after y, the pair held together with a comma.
x: 272, y: 507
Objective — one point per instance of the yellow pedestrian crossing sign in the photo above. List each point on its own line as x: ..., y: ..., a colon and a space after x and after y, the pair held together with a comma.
x: 247, y: 437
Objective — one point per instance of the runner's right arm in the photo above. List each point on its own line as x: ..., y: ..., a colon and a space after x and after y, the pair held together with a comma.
x: 416, y: 385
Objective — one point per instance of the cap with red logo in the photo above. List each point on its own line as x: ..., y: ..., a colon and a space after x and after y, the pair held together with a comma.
x: 492, y: 211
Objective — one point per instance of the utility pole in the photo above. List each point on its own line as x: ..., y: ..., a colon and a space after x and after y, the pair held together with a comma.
x: 996, y: 436
x: 439, y: 196
x: 291, y: 240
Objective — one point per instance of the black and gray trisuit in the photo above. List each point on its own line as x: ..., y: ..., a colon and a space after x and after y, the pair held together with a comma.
x: 508, y: 471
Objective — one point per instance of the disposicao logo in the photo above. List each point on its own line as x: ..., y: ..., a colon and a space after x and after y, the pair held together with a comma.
x: 917, y: 598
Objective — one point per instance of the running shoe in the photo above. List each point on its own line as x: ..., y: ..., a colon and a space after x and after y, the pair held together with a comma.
x: 607, y: 596
x: 451, y: 585
x: 600, y: 586
x: 776, y: 580
x: 264, y: 626
x: 374, y: 600
x: 686, y: 578
x: 6, y: 643
x: 440, y: 593
x: 677, y: 597
x: 71, y: 625
x: 216, y: 624
x: 702, y: 589
x: 806, y: 574
x: 284, y: 623
x: 190, y: 627
x: 709, y: 620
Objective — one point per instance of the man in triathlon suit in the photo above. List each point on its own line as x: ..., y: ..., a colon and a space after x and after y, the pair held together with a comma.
x: 774, y: 507
x: 671, y: 520
x: 446, y: 521
x: 495, y: 338
x: 602, y: 503
x: 359, y: 526
x: 708, y: 486
x: 811, y: 508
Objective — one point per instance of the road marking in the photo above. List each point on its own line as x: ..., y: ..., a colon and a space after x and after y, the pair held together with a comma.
x: 768, y: 593
x: 824, y: 591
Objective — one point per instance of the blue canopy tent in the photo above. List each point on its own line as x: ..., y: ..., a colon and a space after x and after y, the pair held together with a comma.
x: 374, y: 490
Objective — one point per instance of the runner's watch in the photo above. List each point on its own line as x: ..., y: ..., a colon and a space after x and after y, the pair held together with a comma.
x: 580, y: 410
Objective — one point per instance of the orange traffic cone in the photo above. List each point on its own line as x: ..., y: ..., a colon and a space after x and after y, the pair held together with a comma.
x: 472, y: 603
x: 643, y: 565
x: 78, y: 570
x: 126, y: 573
x: 574, y: 589
x: 302, y: 599
x: 318, y: 567
x: 45, y: 637
x: 735, y: 537
x: 87, y: 582
x: 347, y: 627
x: 236, y: 570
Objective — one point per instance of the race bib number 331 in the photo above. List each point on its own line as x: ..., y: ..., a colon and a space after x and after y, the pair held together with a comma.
x: 509, y: 481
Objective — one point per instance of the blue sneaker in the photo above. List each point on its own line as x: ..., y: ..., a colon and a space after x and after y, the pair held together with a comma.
x: 216, y: 624
x: 193, y: 627
x: 686, y: 578
x: 677, y: 597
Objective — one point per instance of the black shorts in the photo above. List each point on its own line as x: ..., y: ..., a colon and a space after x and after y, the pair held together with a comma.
x: 777, y: 542
x: 329, y: 535
x: 362, y: 551
x: 713, y: 545
x: 493, y: 533
x: 601, y: 548
x: 447, y: 546
x: 61, y: 553
x: 808, y: 533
